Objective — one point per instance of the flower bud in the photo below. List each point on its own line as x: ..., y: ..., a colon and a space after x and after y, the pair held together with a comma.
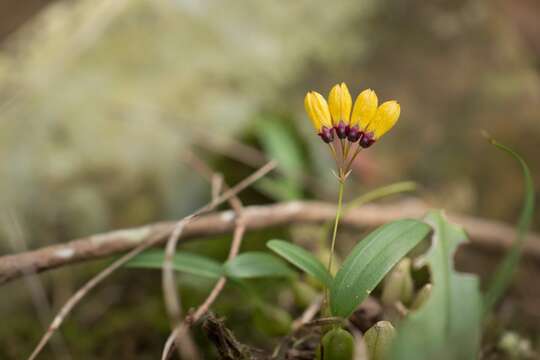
x: 385, y: 118
x: 365, y: 108
x: 327, y: 134
x: 337, y: 344
x: 341, y: 130
x: 317, y: 109
x: 354, y: 134
x: 340, y: 103
x: 421, y: 297
x: 398, y: 285
x: 379, y: 340
x: 366, y: 140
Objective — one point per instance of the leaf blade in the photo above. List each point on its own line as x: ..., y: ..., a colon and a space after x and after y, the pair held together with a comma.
x: 302, y: 259
x: 452, y: 313
x: 370, y: 260
x: 256, y: 264
x: 504, y: 272
x: 183, y: 261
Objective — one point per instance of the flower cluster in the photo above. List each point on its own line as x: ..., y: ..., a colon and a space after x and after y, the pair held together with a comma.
x: 367, y: 123
x: 358, y: 126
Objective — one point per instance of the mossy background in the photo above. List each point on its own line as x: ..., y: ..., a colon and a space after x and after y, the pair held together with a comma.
x: 100, y: 101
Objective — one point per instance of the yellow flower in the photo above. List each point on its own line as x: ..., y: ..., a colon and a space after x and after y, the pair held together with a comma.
x: 367, y: 123
x: 340, y: 103
x: 319, y: 113
x: 385, y: 118
x: 365, y: 108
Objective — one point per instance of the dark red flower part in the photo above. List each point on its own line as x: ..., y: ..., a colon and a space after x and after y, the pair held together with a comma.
x: 327, y: 134
x: 367, y: 140
x: 354, y: 134
x: 341, y: 130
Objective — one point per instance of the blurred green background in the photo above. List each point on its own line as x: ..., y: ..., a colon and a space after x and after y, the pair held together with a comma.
x: 102, y: 101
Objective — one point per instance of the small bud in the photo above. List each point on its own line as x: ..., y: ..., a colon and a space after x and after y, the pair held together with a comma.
x: 354, y: 134
x: 341, y: 130
x: 272, y: 320
x: 379, y: 339
x: 398, y: 285
x: 421, y: 297
x: 327, y: 134
x: 337, y: 344
x: 367, y: 140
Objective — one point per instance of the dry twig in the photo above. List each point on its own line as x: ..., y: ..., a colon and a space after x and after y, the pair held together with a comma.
x: 486, y: 234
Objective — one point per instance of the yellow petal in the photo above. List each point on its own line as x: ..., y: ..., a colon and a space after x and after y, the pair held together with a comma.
x: 340, y: 103
x: 317, y: 109
x: 365, y: 108
x: 385, y: 118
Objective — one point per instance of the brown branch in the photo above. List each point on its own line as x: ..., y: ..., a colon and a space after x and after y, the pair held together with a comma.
x: 145, y: 244
x: 487, y: 234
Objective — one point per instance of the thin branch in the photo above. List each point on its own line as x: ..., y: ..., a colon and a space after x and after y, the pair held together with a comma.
x: 489, y: 235
x: 147, y: 243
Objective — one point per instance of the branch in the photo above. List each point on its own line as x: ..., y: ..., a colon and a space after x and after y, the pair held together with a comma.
x: 487, y: 234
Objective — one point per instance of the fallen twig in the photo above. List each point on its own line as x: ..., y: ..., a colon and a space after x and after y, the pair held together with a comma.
x: 487, y: 234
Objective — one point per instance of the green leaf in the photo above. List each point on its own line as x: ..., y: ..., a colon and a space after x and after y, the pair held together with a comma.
x: 447, y: 326
x: 369, y: 262
x: 257, y: 264
x: 183, y: 261
x: 302, y: 259
x: 505, y: 271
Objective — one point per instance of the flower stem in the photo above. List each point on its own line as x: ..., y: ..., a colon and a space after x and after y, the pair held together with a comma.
x: 326, y: 305
x: 336, y: 223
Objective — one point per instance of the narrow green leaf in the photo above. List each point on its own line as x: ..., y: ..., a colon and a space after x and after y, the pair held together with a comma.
x: 183, y: 261
x: 370, y: 260
x: 506, y: 269
x: 302, y: 259
x: 447, y: 326
x: 257, y: 264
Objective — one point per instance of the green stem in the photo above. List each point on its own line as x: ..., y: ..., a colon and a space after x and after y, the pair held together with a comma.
x: 336, y: 223
x: 333, y: 245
